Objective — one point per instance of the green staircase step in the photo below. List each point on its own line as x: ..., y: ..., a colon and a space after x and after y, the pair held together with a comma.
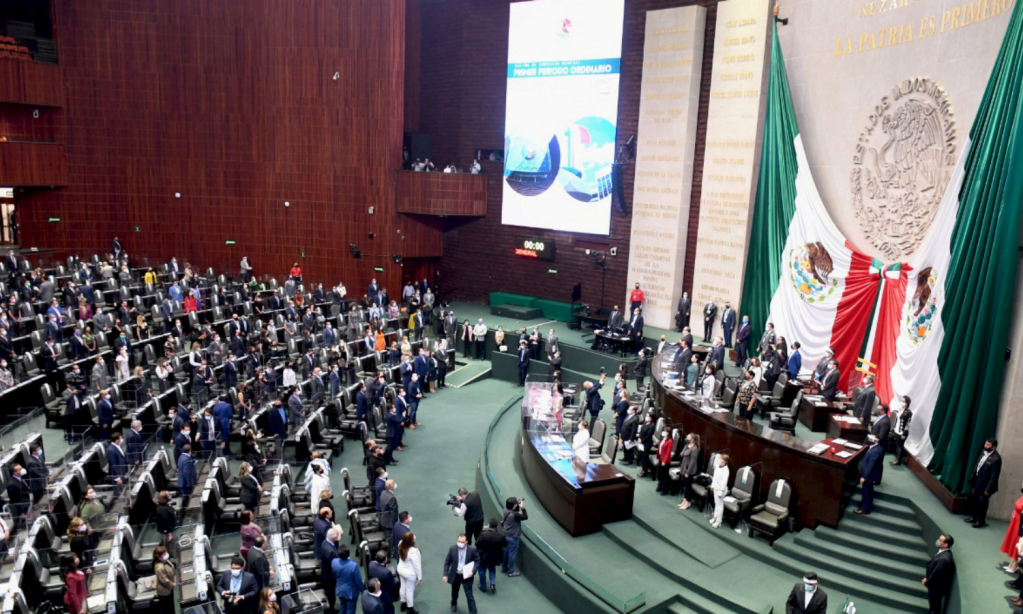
x: 886, y: 507
x: 850, y: 525
x: 678, y: 608
x: 469, y: 373
x: 666, y: 559
x: 900, y: 526
x: 859, y: 558
x: 702, y: 546
x: 916, y: 555
x: 840, y: 573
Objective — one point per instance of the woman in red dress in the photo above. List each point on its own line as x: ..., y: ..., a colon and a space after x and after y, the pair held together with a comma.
x: 1013, y: 535
x: 76, y: 593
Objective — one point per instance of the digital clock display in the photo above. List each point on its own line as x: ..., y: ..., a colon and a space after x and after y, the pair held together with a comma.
x: 534, y: 247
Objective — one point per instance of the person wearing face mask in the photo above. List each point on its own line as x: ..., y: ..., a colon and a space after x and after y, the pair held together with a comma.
x: 688, y: 468
x: 373, y: 598
x: 79, y: 537
x: 387, y: 582
x: 117, y: 463
x: 719, y: 486
x: 902, y: 423
x: 693, y: 372
x: 250, y: 532
x: 627, y: 436
x: 92, y: 510
x: 940, y: 571
x: 645, y: 445
x: 717, y: 355
x: 742, y: 341
x: 664, y: 452
x: 984, y: 480
x: 268, y: 602
x: 410, y: 571
x: 327, y: 552
x: 388, y: 510
x: 76, y: 594
x: 251, y: 489
x: 708, y: 383
x: 238, y: 588
x: 806, y: 597
x: 38, y: 473
x: 870, y: 474
x: 163, y: 569
x: 461, y: 564
x: 186, y: 475
x: 1012, y: 542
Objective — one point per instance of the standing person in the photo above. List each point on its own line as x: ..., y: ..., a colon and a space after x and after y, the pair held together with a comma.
x: 165, y: 580
x: 186, y: 475
x: 641, y: 367
x: 940, y: 571
x: 664, y: 451
x: 627, y: 436
x: 685, y: 307
x: 250, y: 532
x: 688, y: 468
x: 581, y: 442
x: 646, y: 444
x: 410, y: 571
x: 467, y: 338
x: 238, y: 588
x: 1010, y: 546
x: 349, y: 581
x: 636, y: 298
x: 710, y: 314
x: 257, y: 563
x: 387, y: 582
x: 166, y: 520
x: 523, y: 362
x: 902, y: 423
x: 471, y: 511
x: 719, y: 485
x: 593, y: 401
x: 76, y: 593
x: 479, y: 333
x: 514, y: 514
x: 491, y: 544
x: 728, y: 323
x: 372, y: 598
x: 985, y: 482
x: 806, y: 597
x: 388, y: 510
x: 870, y: 474
x: 268, y: 602
x: 461, y: 564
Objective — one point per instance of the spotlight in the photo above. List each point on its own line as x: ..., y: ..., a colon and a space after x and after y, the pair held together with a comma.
x: 354, y: 249
x: 397, y: 259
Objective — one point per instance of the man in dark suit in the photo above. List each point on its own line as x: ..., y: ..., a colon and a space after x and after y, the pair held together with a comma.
x: 742, y: 341
x: 388, y: 584
x: 767, y: 339
x: 38, y: 473
x: 864, y: 402
x: 870, y: 474
x: 630, y: 427
x: 473, y: 514
x: 117, y: 464
x: 186, y: 475
x: 372, y: 290
x: 327, y: 552
x: 238, y: 588
x: 230, y: 372
x: 621, y: 411
x: 321, y: 524
x: 459, y: 556
x: 17, y: 491
x: 104, y: 414
x: 388, y: 510
x: 807, y: 598
x: 523, y: 362
x: 11, y: 263
x: 318, y: 387
x: 400, y: 528
x: 295, y: 408
x: 728, y: 323
x: 882, y: 427
x: 614, y: 320
x: 683, y: 356
x: 710, y: 313
x: 717, y: 355
x: 593, y: 401
x: 201, y: 382
x: 136, y: 445
x: 985, y: 482
x: 278, y: 423
x: 373, y: 601
x: 685, y: 307
x: 393, y: 428
x: 636, y: 330
x: 257, y: 563
x: 829, y: 383
x: 940, y: 571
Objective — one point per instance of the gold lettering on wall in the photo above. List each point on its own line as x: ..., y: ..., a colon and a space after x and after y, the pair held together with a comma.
x: 669, y: 96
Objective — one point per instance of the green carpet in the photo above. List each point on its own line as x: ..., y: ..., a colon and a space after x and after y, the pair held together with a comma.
x: 473, y: 371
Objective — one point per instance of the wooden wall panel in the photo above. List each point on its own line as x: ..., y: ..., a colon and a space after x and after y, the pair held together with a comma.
x: 32, y: 164
x: 464, y: 59
x: 442, y: 193
x: 234, y: 106
x: 18, y: 124
x: 31, y: 83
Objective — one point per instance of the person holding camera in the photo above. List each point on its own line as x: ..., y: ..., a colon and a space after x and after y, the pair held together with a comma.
x: 514, y: 514
x: 469, y: 506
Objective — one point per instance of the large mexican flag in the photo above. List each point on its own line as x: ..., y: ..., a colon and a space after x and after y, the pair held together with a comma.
x: 954, y: 325
x: 801, y: 272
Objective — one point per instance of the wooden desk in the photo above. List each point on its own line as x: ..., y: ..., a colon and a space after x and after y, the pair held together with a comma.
x: 581, y: 497
x: 821, y: 483
x: 851, y: 431
x: 815, y: 417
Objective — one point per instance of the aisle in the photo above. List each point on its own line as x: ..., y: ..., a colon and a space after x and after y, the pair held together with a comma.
x: 440, y: 458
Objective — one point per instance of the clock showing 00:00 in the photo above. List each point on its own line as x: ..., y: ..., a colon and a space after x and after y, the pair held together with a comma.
x: 533, y: 247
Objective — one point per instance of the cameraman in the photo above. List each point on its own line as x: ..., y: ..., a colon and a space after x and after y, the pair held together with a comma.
x: 471, y: 510
x: 514, y: 514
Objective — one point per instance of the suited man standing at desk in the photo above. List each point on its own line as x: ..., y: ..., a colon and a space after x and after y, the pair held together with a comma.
x: 683, y: 357
x: 615, y: 320
x: 807, y: 598
x: 829, y: 382
x: 870, y: 474
x: 882, y: 427
x: 717, y: 355
x: 710, y: 313
x: 864, y: 402
x: 985, y: 482
x: 685, y: 308
x: 593, y: 401
x: 728, y: 323
x: 940, y: 571
x: 238, y: 588
x: 636, y: 330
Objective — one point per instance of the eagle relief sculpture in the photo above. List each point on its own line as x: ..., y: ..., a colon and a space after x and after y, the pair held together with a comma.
x: 920, y: 310
x: 903, y: 163
x: 810, y: 268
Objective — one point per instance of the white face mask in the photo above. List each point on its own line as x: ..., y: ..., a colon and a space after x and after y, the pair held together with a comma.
x: 236, y: 572
x: 271, y: 597
x: 461, y: 545
x: 23, y: 473
x: 83, y: 529
x: 165, y: 557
